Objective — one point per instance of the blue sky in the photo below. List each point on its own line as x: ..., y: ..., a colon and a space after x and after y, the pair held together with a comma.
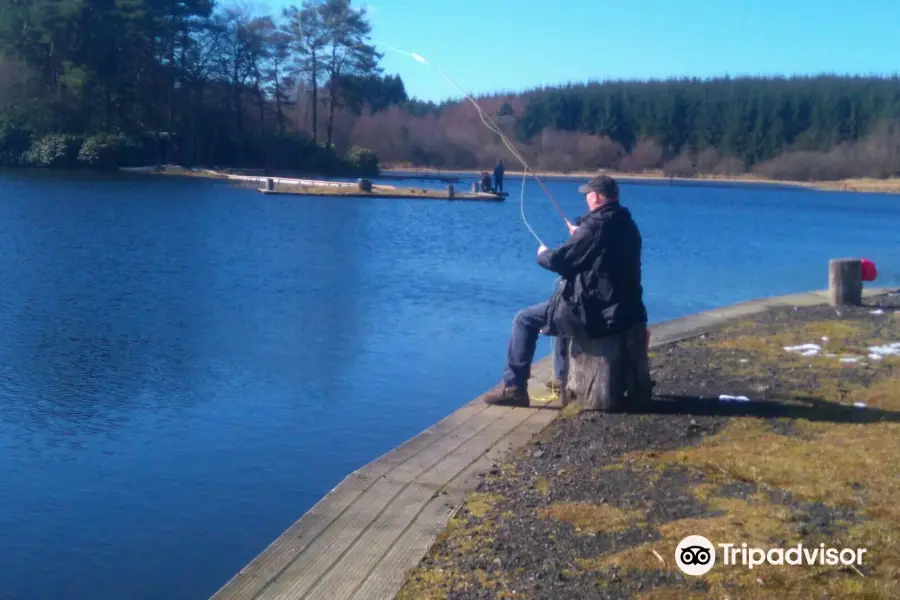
x: 495, y: 45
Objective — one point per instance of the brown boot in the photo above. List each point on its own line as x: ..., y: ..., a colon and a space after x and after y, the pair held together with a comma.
x: 507, y: 396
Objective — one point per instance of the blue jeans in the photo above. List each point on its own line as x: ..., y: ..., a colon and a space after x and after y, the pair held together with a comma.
x: 522, y: 343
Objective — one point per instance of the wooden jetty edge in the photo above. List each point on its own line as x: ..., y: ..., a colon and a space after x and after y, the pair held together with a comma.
x: 364, y: 188
x: 363, y: 538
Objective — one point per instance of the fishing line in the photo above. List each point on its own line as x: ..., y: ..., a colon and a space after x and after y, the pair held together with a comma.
x: 494, y: 128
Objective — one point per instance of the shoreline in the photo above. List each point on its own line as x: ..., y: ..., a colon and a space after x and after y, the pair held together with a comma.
x: 388, y: 172
x: 866, y: 185
x: 364, y: 537
x: 860, y: 185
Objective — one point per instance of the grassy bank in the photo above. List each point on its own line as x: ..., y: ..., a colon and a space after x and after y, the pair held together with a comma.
x: 596, y: 506
x: 885, y: 186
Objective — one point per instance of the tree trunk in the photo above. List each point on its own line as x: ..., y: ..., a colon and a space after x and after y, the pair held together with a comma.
x: 332, y: 87
x: 315, y: 99
x: 331, y: 106
x: 262, y: 126
x: 195, y: 126
x: 262, y: 108
x: 278, y: 101
x: 610, y: 373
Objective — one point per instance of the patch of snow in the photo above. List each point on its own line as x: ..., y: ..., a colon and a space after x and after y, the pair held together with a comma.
x: 824, y: 338
x: 859, y: 404
x: 743, y: 360
x: 892, y: 349
x: 805, y: 349
x: 878, y: 312
x: 850, y: 359
x: 876, y: 356
x: 727, y: 398
x: 830, y: 355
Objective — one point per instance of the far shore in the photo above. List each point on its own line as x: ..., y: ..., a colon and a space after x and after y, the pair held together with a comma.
x: 865, y: 185
x: 870, y: 185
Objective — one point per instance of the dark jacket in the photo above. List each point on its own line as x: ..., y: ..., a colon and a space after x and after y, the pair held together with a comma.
x: 498, y: 171
x: 601, y: 292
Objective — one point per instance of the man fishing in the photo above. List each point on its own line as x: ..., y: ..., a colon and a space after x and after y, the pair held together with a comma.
x: 600, y: 293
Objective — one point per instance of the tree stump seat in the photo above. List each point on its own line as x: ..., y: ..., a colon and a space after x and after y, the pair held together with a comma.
x: 609, y: 374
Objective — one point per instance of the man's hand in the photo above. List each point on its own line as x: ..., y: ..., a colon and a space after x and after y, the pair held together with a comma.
x: 542, y: 249
x: 571, y: 227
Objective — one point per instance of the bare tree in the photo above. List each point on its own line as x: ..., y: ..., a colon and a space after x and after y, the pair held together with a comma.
x: 681, y: 166
x: 647, y: 154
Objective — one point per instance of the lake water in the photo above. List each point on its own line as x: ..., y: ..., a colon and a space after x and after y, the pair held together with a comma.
x: 186, y: 367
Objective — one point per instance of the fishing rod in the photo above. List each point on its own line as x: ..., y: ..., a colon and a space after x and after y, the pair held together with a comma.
x: 494, y: 128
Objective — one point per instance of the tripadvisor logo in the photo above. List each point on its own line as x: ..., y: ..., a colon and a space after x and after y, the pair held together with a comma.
x: 695, y: 555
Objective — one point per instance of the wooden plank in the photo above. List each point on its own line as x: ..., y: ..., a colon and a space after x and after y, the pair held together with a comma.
x: 249, y: 580
x: 390, y: 573
x: 389, y: 576
x: 413, y: 446
x: 468, y: 479
x: 303, y: 572
x: 431, y: 455
x: 455, y: 462
x: 354, y: 567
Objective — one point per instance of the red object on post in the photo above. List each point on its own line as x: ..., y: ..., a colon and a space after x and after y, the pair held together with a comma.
x: 869, y: 272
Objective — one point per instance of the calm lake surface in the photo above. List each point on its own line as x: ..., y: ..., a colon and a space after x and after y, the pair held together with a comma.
x: 186, y: 367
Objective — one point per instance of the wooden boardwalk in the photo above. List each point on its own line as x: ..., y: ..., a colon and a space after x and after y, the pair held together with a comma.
x: 361, y: 540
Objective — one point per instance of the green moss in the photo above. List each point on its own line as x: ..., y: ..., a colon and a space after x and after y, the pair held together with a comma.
x: 592, y: 518
x: 478, y: 505
x: 542, y: 485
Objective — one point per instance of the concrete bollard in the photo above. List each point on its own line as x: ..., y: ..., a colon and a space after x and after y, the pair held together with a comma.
x: 270, y: 185
x: 845, y: 281
x: 474, y: 187
x: 450, y: 191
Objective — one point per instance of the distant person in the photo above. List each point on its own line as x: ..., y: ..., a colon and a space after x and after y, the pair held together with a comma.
x: 485, y: 181
x: 600, y: 293
x: 498, y: 177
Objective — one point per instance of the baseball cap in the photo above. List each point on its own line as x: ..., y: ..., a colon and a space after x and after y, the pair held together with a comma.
x: 604, y: 185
